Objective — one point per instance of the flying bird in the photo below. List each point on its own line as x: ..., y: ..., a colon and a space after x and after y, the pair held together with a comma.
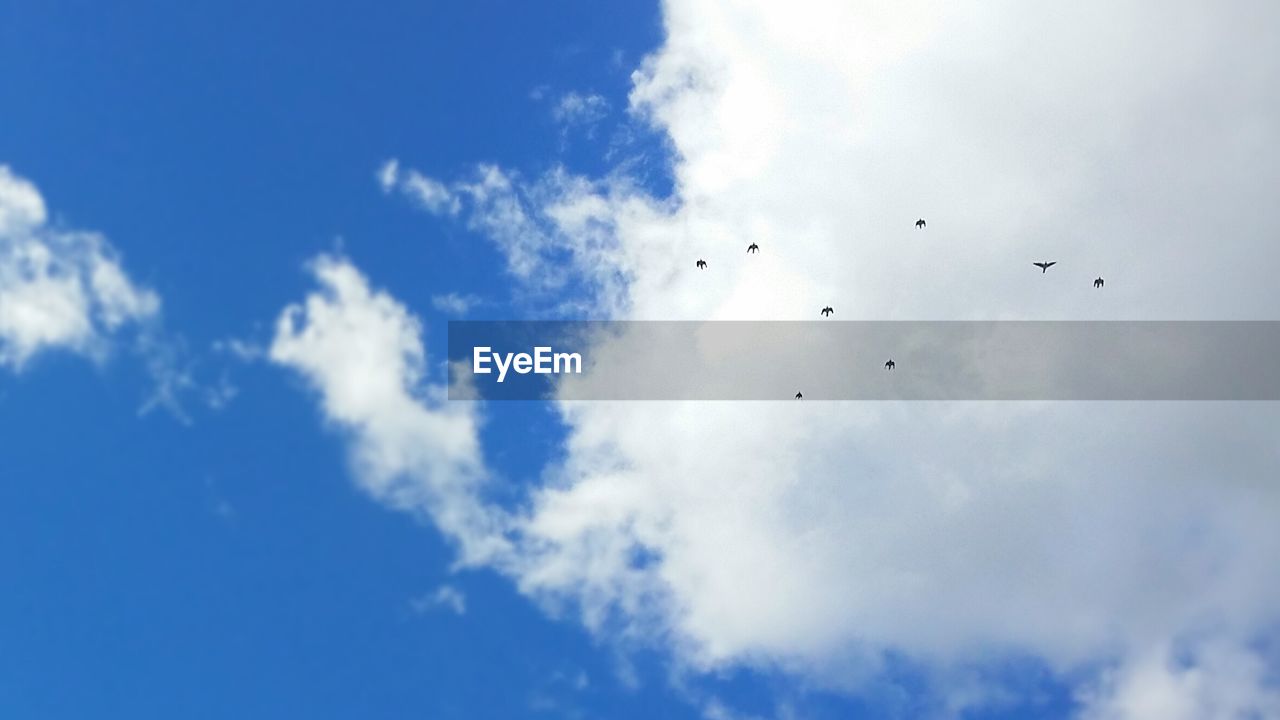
x: 920, y: 224
x: 753, y: 248
x: 827, y: 311
x: 1098, y: 283
x: 1044, y: 266
x: 890, y: 365
x: 799, y: 396
x: 702, y: 264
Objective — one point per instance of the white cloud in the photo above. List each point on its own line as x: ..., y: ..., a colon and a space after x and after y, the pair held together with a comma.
x: 445, y: 596
x: 221, y: 394
x: 59, y: 289
x: 1218, y: 683
x: 171, y: 373
x: 575, y: 108
x: 562, y: 228
x: 362, y: 352
x: 21, y: 206
x: 1136, y: 140
x: 428, y: 193
x: 242, y: 350
x: 388, y: 174
x: 929, y: 529
x: 454, y: 303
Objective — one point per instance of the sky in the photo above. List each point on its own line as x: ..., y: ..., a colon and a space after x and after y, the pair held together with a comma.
x: 232, y: 236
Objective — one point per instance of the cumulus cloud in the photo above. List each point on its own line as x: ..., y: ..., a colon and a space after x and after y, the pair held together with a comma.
x: 1136, y: 140
x: 799, y: 535
x: 1218, y: 683
x: 362, y: 352
x: 59, y: 288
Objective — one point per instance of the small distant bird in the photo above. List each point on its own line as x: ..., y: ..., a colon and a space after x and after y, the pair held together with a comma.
x: 1044, y: 266
x: 702, y: 264
x: 920, y: 224
x: 827, y: 311
x: 753, y: 248
x: 1098, y: 283
x: 799, y: 396
x: 890, y: 365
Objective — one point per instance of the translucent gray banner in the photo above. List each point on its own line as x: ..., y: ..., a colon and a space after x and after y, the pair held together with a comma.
x: 842, y: 360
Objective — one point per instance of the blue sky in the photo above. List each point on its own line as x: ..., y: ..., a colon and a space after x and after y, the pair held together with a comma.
x: 238, y: 549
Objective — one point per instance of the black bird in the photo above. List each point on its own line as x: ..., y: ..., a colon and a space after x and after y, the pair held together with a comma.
x: 752, y: 248
x: 1098, y: 283
x: 702, y: 264
x: 1044, y: 266
x: 920, y: 223
x: 890, y: 365
x: 827, y: 310
x: 799, y: 396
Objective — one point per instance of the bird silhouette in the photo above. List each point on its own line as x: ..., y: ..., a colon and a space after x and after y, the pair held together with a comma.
x: 890, y: 365
x: 920, y: 223
x: 702, y: 264
x: 827, y: 311
x: 799, y: 396
x: 1044, y: 266
x: 753, y: 248
x: 1098, y: 283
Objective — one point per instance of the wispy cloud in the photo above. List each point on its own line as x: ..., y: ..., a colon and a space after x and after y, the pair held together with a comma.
x: 241, y: 350
x: 172, y: 376
x: 220, y: 395
x: 445, y: 597
x: 430, y: 194
x: 389, y: 175
x: 219, y: 505
x: 557, y: 231
x: 455, y: 303
x: 575, y: 108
